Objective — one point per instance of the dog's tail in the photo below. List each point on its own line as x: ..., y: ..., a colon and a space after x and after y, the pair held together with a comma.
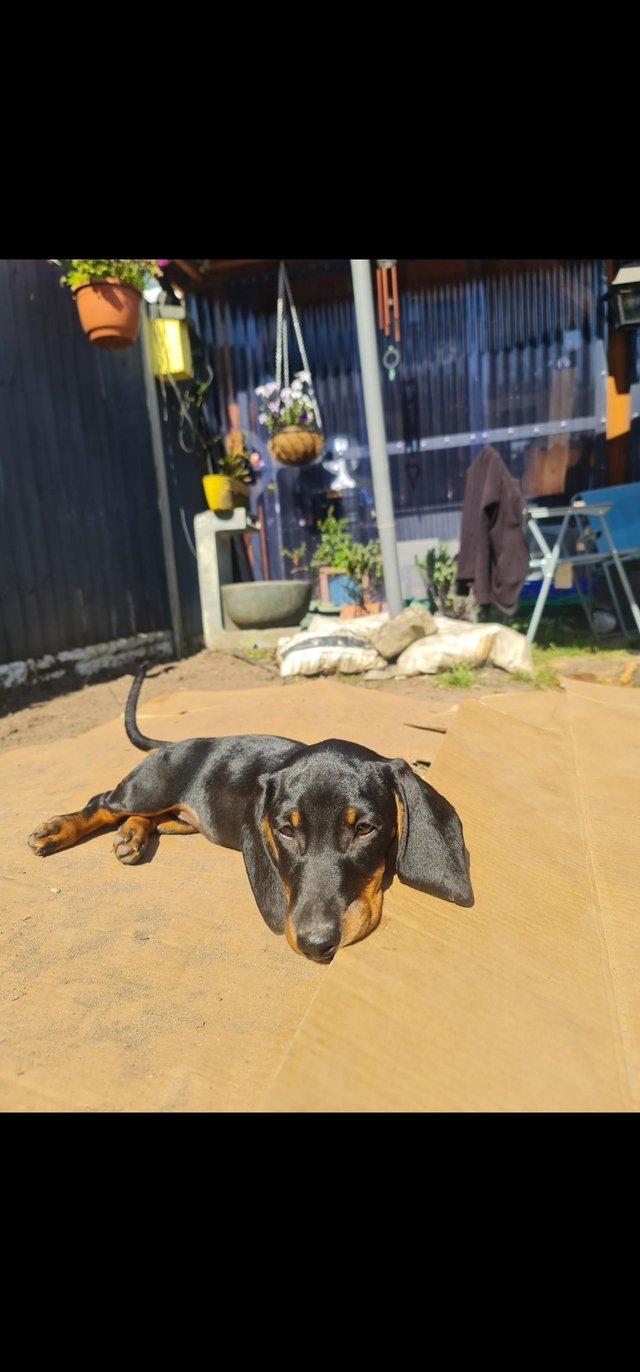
x: 133, y: 733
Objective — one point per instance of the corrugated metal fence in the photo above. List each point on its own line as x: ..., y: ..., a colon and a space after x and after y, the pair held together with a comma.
x: 491, y: 360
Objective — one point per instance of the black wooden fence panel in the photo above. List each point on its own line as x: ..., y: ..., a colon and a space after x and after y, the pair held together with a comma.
x: 81, y: 558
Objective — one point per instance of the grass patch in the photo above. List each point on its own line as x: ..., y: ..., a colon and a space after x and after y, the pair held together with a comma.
x: 566, y: 631
x: 456, y: 676
x: 257, y: 654
x: 545, y: 678
x: 545, y: 669
x: 573, y: 649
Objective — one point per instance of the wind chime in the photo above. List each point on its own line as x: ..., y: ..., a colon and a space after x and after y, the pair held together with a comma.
x: 388, y: 308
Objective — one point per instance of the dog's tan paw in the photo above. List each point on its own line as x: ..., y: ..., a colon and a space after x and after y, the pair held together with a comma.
x: 130, y: 841
x: 46, y: 838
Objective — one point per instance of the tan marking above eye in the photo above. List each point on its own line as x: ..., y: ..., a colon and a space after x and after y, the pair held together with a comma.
x: 295, y: 818
x: 350, y: 815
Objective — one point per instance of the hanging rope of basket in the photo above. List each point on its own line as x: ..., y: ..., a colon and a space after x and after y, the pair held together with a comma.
x: 295, y: 444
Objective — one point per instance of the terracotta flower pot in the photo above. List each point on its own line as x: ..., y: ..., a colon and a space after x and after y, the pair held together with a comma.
x: 109, y: 313
x: 296, y: 447
x: 224, y: 494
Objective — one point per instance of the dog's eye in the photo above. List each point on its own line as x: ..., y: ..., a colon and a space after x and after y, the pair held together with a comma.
x: 286, y: 831
x: 362, y: 829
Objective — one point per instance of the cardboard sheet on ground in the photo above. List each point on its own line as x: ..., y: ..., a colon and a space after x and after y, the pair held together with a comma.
x: 529, y: 1001
x: 155, y: 987
x: 159, y: 988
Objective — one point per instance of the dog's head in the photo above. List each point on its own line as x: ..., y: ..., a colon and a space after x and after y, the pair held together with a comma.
x: 323, y: 837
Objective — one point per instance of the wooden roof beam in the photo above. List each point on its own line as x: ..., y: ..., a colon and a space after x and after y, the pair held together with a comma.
x: 188, y: 270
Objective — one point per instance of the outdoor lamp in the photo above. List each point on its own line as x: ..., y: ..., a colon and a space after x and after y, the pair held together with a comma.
x: 623, y: 297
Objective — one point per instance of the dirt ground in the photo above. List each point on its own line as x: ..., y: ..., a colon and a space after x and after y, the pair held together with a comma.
x: 42, y: 713
x: 158, y: 987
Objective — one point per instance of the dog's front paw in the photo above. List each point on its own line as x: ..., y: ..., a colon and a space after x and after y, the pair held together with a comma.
x: 46, y: 838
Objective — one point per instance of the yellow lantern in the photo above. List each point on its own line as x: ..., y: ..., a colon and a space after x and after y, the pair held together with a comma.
x: 170, y: 343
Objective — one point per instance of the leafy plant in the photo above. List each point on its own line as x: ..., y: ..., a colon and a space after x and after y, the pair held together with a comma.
x: 360, y: 562
x: 439, y: 571
x: 235, y: 465
x: 296, y: 556
x: 235, y: 460
x: 78, y: 271
x: 334, y: 543
x: 294, y: 404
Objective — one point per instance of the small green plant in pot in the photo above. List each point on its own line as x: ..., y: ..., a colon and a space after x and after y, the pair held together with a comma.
x: 108, y: 295
x: 235, y: 461
x: 226, y: 462
x: 228, y: 488
x: 361, y: 563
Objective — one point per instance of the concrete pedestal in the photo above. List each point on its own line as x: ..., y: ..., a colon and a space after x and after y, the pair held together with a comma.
x: 213, y: 548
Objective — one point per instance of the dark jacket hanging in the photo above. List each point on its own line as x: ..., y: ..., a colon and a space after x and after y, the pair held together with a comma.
x: 493, y: 553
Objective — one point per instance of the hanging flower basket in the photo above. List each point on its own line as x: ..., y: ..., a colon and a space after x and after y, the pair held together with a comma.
x: 290, y: 412
x: 296, y: 446
x: 109, y: 313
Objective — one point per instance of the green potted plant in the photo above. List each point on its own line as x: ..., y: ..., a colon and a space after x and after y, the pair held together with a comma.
x: 338, y: 553
x: 227, y: 461
x: 108, y: 295
x: 228, y: 487
x: 290, y: 416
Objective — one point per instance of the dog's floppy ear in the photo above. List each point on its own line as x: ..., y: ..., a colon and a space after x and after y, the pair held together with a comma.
x: 259, y: 852
x: 431, y: 852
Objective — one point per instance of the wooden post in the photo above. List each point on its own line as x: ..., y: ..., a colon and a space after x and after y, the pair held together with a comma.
x: 618, y: 399
x: 164, y: 505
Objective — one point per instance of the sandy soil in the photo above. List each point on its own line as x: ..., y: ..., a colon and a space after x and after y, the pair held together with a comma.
x: 39, y: 714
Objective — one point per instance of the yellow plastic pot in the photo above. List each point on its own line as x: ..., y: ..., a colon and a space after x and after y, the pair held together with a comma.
x: 223, y: 493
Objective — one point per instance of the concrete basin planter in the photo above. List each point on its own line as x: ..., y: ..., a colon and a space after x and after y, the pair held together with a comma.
x: 265, y: 604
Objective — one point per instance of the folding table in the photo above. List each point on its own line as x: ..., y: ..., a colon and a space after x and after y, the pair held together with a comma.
x: 577, y: 518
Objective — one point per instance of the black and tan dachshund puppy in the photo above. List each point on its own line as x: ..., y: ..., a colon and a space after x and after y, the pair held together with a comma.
x: 322, y: 829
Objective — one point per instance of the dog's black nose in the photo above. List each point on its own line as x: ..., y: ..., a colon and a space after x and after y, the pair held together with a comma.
x: 318, y: 948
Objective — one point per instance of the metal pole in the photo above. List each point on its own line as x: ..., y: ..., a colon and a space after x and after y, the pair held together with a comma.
x: 363, y: 297
x: 164, y: 507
